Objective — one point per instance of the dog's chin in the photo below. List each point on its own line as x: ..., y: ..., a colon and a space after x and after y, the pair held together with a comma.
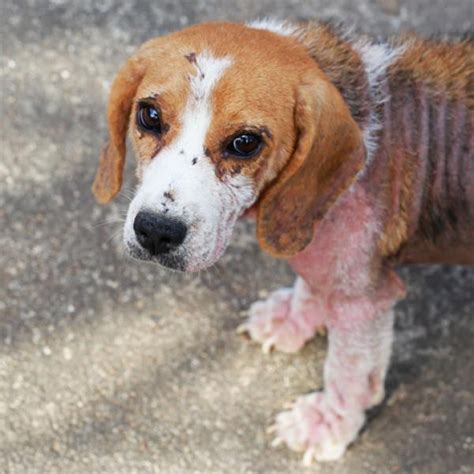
x: 172, y: 261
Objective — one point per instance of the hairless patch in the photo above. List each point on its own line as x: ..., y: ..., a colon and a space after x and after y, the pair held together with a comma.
x: 236, y: 170
x: 191, y: 57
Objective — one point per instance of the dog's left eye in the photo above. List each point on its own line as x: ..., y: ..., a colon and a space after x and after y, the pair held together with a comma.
x: 245, y: 145
x: 148, y: 118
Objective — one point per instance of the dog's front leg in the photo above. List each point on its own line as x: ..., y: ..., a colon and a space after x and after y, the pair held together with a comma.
x: 323, y: 424
x: 287, y: 319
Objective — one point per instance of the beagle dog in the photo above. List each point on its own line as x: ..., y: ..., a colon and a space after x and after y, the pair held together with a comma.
x: 351, y: 155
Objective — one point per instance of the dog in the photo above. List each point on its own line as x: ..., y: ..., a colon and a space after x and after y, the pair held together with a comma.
x: 353, y: 156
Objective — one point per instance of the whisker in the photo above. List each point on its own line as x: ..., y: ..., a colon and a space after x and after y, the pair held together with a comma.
x: 129, y: 194
x: 109, y: 221
x: 114, y: 235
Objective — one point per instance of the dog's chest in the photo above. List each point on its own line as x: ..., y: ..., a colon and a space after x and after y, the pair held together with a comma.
x: 339, y: 257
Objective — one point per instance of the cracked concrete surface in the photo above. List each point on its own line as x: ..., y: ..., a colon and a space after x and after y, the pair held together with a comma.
x: 111, y: 366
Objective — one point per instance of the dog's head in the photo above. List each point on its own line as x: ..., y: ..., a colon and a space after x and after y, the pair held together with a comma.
x: 224, y: 117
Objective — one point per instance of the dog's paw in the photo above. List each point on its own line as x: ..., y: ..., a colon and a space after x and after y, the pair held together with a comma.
x: 270, y: 324
x: 314, y: 426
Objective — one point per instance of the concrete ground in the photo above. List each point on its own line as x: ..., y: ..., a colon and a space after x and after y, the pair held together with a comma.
x: 111, y: 366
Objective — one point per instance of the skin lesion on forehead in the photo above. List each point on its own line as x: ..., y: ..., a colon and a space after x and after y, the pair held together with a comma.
x: 191, y: 57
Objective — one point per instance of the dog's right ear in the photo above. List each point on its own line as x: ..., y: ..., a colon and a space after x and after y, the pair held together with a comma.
x: 108, y: 179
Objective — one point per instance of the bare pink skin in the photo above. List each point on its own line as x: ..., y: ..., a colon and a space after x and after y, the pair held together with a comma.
x: 338, y: 289
x: 349, y: 289
x: 287, y: 319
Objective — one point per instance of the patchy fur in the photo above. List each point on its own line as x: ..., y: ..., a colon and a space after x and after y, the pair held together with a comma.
x: 366, y: 160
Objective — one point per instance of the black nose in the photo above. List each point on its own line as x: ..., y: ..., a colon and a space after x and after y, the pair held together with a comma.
x: 157, y: 233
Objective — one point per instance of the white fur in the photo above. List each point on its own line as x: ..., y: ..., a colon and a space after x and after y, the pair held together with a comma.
x: 376, y: 58
x: 207, y: 205
x: 279, y: 27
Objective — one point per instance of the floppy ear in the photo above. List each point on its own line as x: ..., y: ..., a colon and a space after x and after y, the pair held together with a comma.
x: 328, y: 154
x: 108, y: 179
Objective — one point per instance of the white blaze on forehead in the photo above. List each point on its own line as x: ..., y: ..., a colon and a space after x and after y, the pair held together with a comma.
x: 198, y: 113
x: 195, y: 122
x: 208, y: 71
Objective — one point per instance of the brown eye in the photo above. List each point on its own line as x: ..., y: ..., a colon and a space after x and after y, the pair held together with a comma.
x: 148, y: 118
x: 245, y: 145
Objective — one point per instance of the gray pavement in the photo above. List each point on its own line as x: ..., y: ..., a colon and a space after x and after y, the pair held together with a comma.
x: 111, y: 366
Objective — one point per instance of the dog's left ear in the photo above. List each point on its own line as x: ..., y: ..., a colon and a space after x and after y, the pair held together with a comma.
x: 328, y: 154
x: 108, y: 179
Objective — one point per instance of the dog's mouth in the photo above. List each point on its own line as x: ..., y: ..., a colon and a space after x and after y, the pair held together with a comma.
x: 178, y: 260
x: 173, y: 261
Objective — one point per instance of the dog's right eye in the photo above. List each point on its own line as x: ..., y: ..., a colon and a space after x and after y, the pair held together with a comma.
x: 148, y: 118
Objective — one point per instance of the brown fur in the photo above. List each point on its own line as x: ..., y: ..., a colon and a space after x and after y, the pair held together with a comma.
x: 431, y: 108
x: 328, y: 155
x: 341, y: 64
x: 108, y: 180
x: 441, y: 66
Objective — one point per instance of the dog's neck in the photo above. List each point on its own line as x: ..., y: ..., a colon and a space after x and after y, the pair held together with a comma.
x: 357, y: 67
x: 334, y: 52
x: 412, y: 100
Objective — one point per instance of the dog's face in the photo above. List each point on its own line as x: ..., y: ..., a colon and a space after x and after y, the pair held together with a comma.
x: 221, y: 116
x: 205, y: 136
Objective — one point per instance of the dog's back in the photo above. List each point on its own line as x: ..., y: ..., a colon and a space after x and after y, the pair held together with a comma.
x: 428, y: 135
x: 414, y: 100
